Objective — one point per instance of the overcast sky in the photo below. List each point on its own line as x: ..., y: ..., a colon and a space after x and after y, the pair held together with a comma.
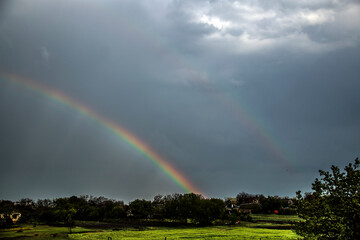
x: 252, y: 96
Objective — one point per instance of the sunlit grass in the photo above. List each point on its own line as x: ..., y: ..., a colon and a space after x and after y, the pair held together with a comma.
x: 245, y: 230
x: 222, y: 232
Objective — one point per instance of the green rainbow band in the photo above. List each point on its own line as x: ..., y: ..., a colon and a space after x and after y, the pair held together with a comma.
x: 136, y: 143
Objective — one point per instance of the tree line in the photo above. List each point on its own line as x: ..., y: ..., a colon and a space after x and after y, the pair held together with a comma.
x: 176, y: 207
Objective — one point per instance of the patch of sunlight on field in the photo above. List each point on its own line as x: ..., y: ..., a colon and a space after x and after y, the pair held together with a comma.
x: 223, y: 232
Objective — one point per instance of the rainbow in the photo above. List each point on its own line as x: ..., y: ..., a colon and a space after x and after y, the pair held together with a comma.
x: 125, y: 135
x: 257, y: 129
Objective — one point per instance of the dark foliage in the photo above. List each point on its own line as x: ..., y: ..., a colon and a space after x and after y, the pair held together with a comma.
x: 141, y: 209
x: 183, y: 209
x: 332, y: 211
x: 179, y: 207
x: 6, y: 208
x: 192, y: 206
x: 258, y: 203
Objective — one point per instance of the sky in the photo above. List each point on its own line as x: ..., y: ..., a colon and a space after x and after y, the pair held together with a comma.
x: 235, y: 96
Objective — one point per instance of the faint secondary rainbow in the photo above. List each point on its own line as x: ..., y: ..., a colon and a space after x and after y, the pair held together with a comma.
x: 255, y: 127
x: 140, y: 146
x: 235, y: 108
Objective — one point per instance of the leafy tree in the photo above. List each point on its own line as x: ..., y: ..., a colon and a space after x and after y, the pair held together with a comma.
x: 189, y: 206
x: 116, y: 212
x: 44, y: 211
x: 69, y: 220
x: 270, y: 204
x: 244, y: 197
x: 158, y: 207
x: 217, y: 209
x: 182, y: 207
x: 171, y: 206
x: 141, y: 209
x: 26, y: 207
x: 94, y: 214
x: 208, y: 210
x: 332, y: 211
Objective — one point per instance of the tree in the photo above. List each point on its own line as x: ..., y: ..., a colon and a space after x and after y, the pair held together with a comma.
x: 244, y: 197
x: 26, y: 207
x: 270, y: 204
x: 208, y: 210
x: 69, y: 220
x: 141, y: 209
x: 171, y: 206
x: 44, y: 211
x: 332, y: 211
x: 158, y: 207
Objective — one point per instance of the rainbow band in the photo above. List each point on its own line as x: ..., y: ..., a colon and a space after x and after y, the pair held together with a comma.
x: 119, y: 131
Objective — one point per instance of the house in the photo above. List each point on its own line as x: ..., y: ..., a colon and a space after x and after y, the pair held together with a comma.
x: 14, y: 216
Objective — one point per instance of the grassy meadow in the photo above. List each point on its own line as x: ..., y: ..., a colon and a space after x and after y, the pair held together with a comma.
x: 264, y: 227
x: 219, y: 232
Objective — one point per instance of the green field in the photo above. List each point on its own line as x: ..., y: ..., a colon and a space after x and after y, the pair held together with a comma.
x: 264, y: 227
x: 223, y: 232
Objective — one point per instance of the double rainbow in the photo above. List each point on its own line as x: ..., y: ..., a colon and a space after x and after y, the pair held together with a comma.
x: 125, y: 135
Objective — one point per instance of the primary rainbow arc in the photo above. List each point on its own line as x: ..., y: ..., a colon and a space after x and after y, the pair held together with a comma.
x: 122, y: 133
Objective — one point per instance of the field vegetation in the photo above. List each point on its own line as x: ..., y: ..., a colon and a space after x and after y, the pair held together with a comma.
x: 330, y: 212
x: 244, y: 230
x: 215, y: 232
x: 175, y: 216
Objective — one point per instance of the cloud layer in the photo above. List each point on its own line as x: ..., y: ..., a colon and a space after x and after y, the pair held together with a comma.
x: 253, y: 26
x: 238, y: 95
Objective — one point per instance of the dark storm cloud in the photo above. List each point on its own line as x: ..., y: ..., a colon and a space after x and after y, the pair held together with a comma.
x: 184, y: 77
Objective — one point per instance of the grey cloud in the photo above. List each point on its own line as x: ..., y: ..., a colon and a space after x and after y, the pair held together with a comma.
x: 185, y: 87
x: 248, y: 26
x: 45, y: 54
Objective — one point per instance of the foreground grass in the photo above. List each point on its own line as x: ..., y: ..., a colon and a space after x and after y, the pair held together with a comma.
x: 220, y: 232
x: 39, y: 232
x: 265, y: 227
